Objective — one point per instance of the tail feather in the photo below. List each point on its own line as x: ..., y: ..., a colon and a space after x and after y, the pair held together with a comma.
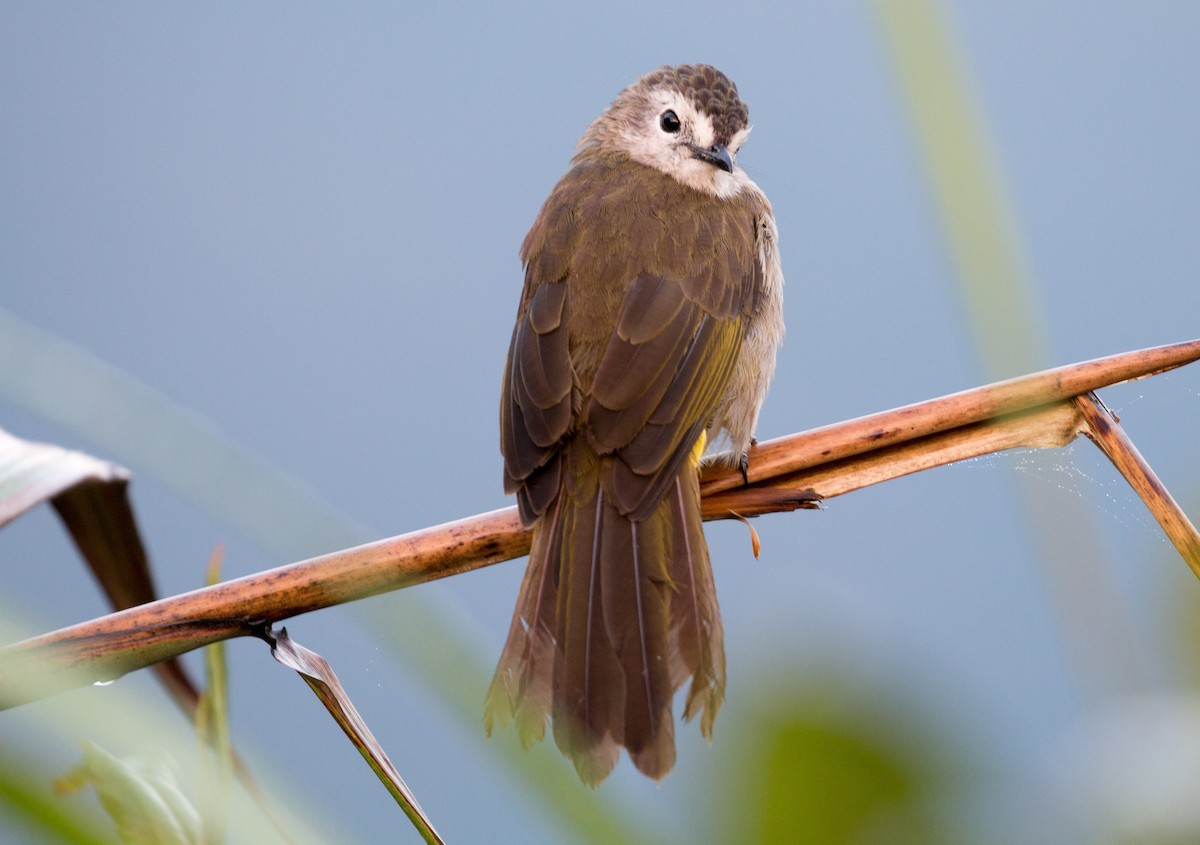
x: 614, y: 615
x: 589, y: 688
x: 522, y: 685
x: 637, y: 609
x: 697, y: 634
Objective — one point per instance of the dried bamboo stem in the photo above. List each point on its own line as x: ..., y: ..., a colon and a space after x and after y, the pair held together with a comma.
x: 1105, y: 431
x: 1034, y: 410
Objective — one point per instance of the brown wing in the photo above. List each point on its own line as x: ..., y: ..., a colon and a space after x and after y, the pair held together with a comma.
x: 655, y: 390
x: 686, y: 275
x: 674, y: 347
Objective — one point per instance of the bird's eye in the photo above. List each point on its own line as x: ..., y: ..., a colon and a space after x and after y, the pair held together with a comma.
x: 669, y: 122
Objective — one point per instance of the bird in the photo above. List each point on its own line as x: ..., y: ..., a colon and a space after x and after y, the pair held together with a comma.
x: 645, y: 341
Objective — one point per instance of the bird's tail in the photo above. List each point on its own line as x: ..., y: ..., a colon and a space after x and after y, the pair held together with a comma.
x: 613, y: 616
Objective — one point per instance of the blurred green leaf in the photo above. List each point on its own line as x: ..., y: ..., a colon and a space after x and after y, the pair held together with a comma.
x: 982, y: 231
x: 984, y: 240
x: 814, y: 769
x: 826, y: 784
x: 142, y: 797
x: 27, y: 800
x: 212, y: 726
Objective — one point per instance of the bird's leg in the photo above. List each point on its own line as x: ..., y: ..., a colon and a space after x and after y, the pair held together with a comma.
x: 744, y: 461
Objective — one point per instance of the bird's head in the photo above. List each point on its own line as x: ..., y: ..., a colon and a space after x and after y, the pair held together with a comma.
x: 686, y: 121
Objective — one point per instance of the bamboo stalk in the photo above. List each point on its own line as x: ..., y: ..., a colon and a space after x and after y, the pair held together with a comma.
x: 1034, y: 410
x: 1105, y: 431
x: 821, y: 445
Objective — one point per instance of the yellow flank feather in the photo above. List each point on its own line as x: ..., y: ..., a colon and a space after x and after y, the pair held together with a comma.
x: 698, y: 449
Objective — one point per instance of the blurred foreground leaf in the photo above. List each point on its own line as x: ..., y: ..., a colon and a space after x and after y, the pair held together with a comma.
x: 26, y: 799
x: 91, y: 497
x: 812, y: 773
x: 212, y: 727
x: 142, y: 797
x: 984, y: 241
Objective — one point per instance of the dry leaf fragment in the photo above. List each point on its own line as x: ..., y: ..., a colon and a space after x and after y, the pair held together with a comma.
x: 319, y: 675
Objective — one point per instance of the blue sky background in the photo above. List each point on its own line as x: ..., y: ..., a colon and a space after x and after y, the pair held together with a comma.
x: 299, y: 225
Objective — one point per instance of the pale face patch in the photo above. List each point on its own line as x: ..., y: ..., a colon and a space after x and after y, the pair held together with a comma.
x: 644, y: 139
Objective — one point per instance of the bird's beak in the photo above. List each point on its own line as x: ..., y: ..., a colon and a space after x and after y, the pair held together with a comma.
x: 717, y: 156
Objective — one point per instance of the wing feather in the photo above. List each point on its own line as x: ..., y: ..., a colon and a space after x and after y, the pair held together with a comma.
x: 535, y: 405
x: 651, y: 432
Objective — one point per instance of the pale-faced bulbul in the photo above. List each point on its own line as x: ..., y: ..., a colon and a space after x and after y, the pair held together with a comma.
x: 646, y: 334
